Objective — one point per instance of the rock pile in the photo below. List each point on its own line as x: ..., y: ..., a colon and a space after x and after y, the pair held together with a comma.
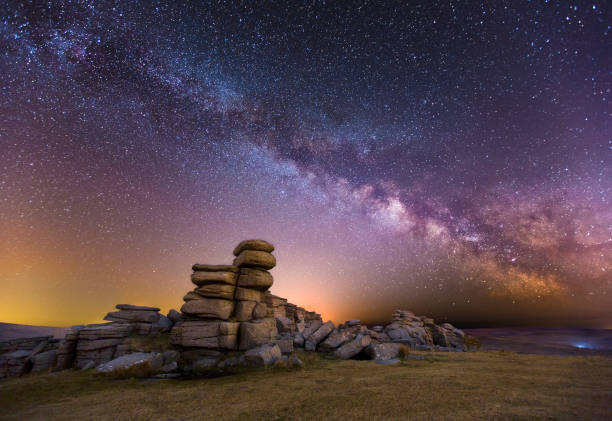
x: 227, y: 310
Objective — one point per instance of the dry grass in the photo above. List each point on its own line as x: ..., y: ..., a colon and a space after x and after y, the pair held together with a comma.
x: 484, y: 385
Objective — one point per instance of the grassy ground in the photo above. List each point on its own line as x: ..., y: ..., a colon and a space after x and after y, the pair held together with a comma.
x: 483, y: 385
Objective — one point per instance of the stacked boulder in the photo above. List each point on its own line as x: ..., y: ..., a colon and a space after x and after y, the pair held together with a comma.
x: 227, y: 309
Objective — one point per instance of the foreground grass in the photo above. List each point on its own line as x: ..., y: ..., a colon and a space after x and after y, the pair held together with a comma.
x: 484, y: 385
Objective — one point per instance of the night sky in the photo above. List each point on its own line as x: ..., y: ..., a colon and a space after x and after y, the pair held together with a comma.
x: 452, y: 159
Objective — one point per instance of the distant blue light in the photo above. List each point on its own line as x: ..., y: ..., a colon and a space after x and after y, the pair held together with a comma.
x: 582, y: 346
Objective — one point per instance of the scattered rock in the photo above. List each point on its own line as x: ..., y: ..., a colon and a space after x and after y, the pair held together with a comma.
x: 318, y: 335
x: 263, y: 355
x: 354, y: 347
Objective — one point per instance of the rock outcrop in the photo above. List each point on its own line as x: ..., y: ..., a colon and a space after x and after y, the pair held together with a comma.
x: 229, y: 311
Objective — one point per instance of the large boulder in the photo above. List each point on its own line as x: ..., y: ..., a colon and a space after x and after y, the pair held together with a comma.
x: 211, y: 334
x: 263, y: 355
x: 150, y: 362
x: 354, y: 347
x: 385, y: 351
x: 255, y: 279
x: 257, y: 332
x: 259, y: 245
x: 317, y: 336
x: 335, y: 339
x: 311, y: 328
x: 44, y: 361
x: 224, y: 291
x: 203, y: 278
x: 247, y: 294
x: 254, y: 258
x: 209, y: 308
x: 105, y: 331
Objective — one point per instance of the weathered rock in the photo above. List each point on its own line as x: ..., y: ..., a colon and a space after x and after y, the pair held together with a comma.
x: 152, y: 361
x: 209, y: 308
x: 204, y: 278
x: 44, y: 361
x: 253, y: 258
x: 298, y: 340
x: 354, y: 347
x: 198, y: 267
x: 247, y: 294
x: 191, y: 295
x: 255, y: 279
x: 92, y: 345
x: 377, y: 329
x: 169, y: 368
x: 311, y: 328
x: 284, y: 325
x: 257, y: 332
x: 244, y: 310
x: 262, y: 355
x: 131, y: 307
x: 336, y: 339
x: 105, y: 331
x: 205, y: 363
x: 224, y: 291
x: 260, y: 245
x: 260, y: 311
x: 170, y: 356
x: 285, y: 345
x: 318, y: 335
x: 130, y: 316
x: 175, y: 316
x: 164, y: 323
x: 438, y: 334
x: 386, y: 351
x: 205, y: 334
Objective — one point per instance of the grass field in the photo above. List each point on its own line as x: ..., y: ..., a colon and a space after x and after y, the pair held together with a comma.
x: 462, y: 386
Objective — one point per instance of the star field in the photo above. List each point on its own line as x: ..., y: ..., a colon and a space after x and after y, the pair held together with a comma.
x: 451, y: 159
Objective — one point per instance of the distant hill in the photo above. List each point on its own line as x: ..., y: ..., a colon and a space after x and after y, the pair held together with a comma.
x: 12, y: 331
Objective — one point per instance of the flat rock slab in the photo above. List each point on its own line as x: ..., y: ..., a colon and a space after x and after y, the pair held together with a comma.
x: 205, y: 278
x: 154, y: 360
x: 215, y: 308
x: 216, y: 291
x: 259, y: 245
x: 135, y: 308
x: 198, y: 267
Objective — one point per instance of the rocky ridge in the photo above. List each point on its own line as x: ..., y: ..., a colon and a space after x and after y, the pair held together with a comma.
x: 229, y: 319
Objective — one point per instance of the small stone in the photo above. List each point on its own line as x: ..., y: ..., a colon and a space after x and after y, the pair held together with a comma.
x: 259, y: 245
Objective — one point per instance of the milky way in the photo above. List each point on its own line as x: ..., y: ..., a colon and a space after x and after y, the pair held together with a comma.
x: 454, y: 160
